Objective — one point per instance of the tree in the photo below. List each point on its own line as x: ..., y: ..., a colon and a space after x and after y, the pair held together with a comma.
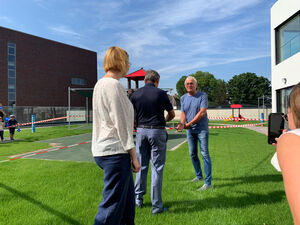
x: 215, y: 89
x: 245, y: 88
x: 220, y: 93
x: 180, y: 88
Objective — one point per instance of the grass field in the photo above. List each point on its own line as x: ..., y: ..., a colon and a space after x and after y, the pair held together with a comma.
x: 247, y: 189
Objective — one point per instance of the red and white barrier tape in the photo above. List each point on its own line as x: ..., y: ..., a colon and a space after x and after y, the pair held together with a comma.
x: 41, y: 121
x: 241, y: 119
x: 48, y: 120
x: 223, y: 126
x: 234, y: 126
x: 213, y: 118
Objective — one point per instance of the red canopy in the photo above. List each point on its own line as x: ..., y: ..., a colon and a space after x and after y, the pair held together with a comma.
x: 236, y: 106
x: 137, y: 75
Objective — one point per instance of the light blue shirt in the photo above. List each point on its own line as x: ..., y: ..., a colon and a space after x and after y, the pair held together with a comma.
x: 191, y: 105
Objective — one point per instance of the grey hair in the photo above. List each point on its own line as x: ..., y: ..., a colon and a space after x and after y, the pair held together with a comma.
x: 152, y: 76
x: 191, y: 78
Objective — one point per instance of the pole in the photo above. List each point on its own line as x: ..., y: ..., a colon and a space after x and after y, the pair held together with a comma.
x: 33, y: 124
x: 87, y: 109
x: 258, y: 107
x: 69, y: 106
x: 263, y: 103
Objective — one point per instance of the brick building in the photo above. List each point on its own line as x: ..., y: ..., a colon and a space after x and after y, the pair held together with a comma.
x: 35, y: 71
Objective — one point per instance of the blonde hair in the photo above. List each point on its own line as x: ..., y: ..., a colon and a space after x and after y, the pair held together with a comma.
x: 294, y: 104
x: 117, y: 59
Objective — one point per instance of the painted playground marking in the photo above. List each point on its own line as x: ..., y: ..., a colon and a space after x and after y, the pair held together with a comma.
x: 25, y: 155
x: 177, y: 146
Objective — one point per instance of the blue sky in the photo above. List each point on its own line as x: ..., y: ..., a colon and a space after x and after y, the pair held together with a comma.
x: 174, y: 37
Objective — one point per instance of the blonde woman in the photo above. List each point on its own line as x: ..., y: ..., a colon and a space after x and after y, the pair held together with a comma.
x: 112, y: 142
x: 288, y: 153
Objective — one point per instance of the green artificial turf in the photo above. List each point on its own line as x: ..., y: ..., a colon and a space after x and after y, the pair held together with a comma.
x: 246, y: 188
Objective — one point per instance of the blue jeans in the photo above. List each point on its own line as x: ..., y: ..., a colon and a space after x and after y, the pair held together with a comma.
x: 151, y: 145
x: 193, y: 138
x: 117, y: 205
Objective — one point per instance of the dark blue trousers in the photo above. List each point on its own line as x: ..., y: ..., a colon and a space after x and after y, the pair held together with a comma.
x: 118, y: 204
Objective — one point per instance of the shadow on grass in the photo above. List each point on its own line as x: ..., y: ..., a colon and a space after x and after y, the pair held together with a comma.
x: 213, y: 134
x: 40, y: 204
x: 254, y: 168
x: 9, y: 142
x: 222, y: 201
x: 249, y: 179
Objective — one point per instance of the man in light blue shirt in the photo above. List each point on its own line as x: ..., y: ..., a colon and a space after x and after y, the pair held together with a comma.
x: 194, y: 118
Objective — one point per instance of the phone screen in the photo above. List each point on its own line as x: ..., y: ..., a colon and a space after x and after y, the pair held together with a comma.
x: 275, y: 126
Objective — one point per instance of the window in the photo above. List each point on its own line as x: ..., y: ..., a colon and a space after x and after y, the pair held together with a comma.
x: 282, y: 99
x: 288, y: 38
x: 78, y: 81
x: 11, y: 73
x: 11, y: 61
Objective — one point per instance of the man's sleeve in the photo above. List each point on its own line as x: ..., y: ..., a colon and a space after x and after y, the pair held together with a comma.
x: 204, y: 101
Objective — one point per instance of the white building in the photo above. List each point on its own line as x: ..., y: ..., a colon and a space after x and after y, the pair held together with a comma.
x: 285, y: 51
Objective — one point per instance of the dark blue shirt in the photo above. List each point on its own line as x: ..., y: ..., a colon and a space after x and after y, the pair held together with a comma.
x: 12, y: 122
x: 149, y: 104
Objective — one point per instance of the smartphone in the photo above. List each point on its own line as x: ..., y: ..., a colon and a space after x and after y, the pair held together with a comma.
x: 275, y: 126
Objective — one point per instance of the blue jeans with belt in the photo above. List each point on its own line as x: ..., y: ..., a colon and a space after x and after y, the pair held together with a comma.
x: 117, y: 205
x: 193, y: 138
x: 151, y: 145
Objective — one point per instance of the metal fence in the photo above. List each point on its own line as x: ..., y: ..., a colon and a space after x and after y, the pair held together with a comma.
x: 24, y: 113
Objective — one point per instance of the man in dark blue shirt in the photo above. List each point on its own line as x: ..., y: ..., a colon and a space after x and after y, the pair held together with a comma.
x: 149, y: 103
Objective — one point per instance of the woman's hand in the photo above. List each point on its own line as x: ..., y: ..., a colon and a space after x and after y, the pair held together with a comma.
x: 134, y: 162
x: 135, y: 165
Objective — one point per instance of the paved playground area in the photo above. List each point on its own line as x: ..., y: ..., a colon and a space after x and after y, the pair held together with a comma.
x: 78, y: 147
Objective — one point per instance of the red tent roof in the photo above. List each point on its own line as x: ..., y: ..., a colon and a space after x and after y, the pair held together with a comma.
x: 236, y: 106
x: 137, y: 75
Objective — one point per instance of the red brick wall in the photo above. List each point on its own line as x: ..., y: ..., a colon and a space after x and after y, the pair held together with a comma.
x: 44, y: 70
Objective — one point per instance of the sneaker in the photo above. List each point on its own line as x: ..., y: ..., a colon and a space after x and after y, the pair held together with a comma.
x: 163, y: 210
x: 204, y: 187
x: 196, y: 179
x: 139, y: 205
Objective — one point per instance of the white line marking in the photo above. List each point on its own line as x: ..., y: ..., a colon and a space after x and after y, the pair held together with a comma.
x: 177, y: 146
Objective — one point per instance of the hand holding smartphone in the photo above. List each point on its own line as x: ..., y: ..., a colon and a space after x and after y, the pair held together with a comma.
x: 275, y: 127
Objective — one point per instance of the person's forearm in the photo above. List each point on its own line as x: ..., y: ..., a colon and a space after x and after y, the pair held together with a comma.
x: 182, y: 117
x: 197, y: 118
x: 170, y: 116
x: 132, y: 153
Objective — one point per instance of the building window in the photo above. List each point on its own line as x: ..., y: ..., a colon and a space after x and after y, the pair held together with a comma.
x: 78, y: 81
x: 288, y: 38
x: 282, y: 99
x: 11, y: 61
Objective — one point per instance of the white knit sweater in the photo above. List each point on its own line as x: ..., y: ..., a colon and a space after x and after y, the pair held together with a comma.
x: 113, y: 117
